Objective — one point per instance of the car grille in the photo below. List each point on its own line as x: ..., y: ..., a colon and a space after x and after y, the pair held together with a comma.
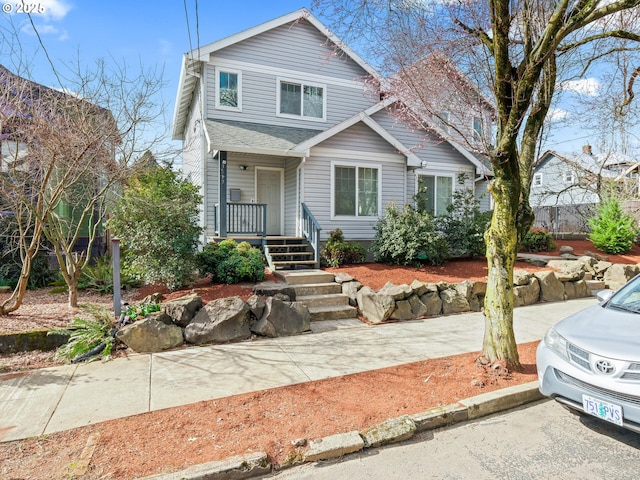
x: 579, y: 356
x: 597, y: 390
x: 632, y: 372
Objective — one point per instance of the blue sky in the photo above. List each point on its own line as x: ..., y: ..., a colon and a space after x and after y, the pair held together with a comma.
x: 152, y: 33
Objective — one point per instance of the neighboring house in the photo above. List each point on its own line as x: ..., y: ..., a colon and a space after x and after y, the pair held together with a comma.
x: 566, y: 186
x: 18, y: 98
x: 279, y: 133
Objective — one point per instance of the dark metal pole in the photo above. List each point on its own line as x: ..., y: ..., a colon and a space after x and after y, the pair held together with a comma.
x: 117, y: 294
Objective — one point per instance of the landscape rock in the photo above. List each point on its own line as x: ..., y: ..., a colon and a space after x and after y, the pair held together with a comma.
x: 256, y: 305
x: 601, y: 267
x: 419, y: 288
x: 402, y: 311
x: 394, y: 430
x: 375, y: 307
x: 527, y: 294
x: 479, y: 288
x: 183, y: 309
x: 521, y: 277
x: 154, y: 333
x: 453, y: 301
x: 566, y: 249
x: 597, y: 256
x: 418, y: 309
x: 342, y: 277
x: 223, y: 320
x: 432, y: 302
x: 567, y: 270
x: 351, y: 290
x: 619, y: 274
x: 551, y: 289
x: 579, y: 289
x: 282, y: 319
x: 398, y: 292
x: 589, y: 263
x: 270, y: 289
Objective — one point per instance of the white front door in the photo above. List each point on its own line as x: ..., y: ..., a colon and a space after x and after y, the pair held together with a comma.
x: 269, y: 191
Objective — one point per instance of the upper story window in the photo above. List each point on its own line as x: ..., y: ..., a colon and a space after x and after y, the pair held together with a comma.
x: 443, y: 120
x: 537, y: 179
x: 478, y: 132
x: 229, y: 90
x: 568, y: 177
x: 301, y: 100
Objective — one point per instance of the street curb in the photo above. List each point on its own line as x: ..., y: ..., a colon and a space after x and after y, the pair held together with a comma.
x: 337, y: 445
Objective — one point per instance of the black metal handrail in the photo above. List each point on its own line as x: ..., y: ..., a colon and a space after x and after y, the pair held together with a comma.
x: 242, y: 219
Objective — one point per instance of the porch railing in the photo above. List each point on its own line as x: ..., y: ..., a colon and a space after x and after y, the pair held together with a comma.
x: 311, y: 231
x: 242, y: 219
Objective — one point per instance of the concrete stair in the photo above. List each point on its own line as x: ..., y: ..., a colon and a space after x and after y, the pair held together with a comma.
x: 595, y: 286
x: 320, y: 293
x: 288, y: 253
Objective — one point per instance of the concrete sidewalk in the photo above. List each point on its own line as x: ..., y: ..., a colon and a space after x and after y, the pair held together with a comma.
x: 54, y: 399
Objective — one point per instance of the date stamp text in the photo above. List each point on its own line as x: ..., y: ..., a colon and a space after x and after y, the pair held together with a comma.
x: 23, y: 7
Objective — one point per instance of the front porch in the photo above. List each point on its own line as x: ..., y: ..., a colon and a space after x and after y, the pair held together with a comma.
x: 246, y: 222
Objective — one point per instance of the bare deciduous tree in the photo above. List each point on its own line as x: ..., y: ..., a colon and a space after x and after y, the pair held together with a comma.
x: 515, y: 52
x: 63, y: 154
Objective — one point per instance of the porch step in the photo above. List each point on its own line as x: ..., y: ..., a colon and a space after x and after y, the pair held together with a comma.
x: 288, y: 253
x: 336, y: 312
x: 306, y: 277
x: 328, y: 300
x: 316, y: 289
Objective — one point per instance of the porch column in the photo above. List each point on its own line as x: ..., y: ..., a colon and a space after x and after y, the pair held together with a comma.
x: 222, y: 157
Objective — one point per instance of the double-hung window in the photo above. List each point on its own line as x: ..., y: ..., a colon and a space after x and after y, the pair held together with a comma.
x: 478, y: 131
x: 436, y: 193
x: 301, y: 100
x: 537, y: 179
x: 356, y: 191
x: 229, y: 90
x: 568, y: 177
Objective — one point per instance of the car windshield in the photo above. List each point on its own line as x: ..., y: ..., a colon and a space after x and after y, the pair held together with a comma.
x: 627, y: 298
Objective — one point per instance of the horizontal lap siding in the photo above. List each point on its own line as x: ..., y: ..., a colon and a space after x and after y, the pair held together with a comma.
x: 298, y: 50
x: 192, y: 147
x: 317, y: 179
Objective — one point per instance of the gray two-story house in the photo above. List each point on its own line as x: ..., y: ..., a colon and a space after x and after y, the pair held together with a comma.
x: 280, y: 133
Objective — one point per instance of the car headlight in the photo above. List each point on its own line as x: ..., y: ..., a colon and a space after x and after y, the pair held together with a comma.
x: 556, y: 342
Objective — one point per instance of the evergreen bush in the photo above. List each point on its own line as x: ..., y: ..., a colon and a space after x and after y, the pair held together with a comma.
x: 231, y: 262
x: 538, y: 239
x: 612, y: 230
x: 408, y: 237
x: 464, y: 224
x: 338, y: 252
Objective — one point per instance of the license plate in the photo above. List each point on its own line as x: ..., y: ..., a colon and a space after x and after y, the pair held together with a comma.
x: 604, y: 410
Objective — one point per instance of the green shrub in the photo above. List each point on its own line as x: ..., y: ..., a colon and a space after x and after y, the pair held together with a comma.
x: 86, y: 334
x: 464, y: 224
x: 612, y: 230
x: 406, y: 237
x: 157, y: 222
x: 338, y: 252
x: 231, y: 262
x: 99, y: 277
x: 538, y: 239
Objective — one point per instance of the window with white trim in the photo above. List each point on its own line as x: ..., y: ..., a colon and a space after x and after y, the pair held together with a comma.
x: 537, y: 179
x: 568, y: 177
x: 301, y: 100
x: 443, y: 120
x: 478, y: 131
x: 228, y: 90
x: 435, y: 192
x: 356, y: 191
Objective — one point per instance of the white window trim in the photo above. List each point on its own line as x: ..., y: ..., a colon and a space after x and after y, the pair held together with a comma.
x: 302, y: 84
x: 537, y: 179
x: 426, y: 173
x: 217, y: 89
x: 477, y: 136
x: 444, y: 119
x: 356, y: 217
x: 568, y: 177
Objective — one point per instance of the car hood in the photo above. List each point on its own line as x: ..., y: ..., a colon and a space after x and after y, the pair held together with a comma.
x: 604, y: 331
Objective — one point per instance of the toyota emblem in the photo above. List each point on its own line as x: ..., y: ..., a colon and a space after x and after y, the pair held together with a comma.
x: 605, y: 367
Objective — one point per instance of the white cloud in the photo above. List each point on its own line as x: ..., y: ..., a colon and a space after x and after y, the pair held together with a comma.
x: 556, y: 114
x: 588, y: 86
x: 55, y: 9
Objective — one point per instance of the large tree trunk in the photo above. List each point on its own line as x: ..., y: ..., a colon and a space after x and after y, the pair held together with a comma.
x: 501, y: 238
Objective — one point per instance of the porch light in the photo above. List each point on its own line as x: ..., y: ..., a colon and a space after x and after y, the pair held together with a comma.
x: 243, y: 167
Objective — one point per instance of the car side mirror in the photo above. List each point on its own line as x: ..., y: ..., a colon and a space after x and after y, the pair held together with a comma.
x: 604, y: 295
